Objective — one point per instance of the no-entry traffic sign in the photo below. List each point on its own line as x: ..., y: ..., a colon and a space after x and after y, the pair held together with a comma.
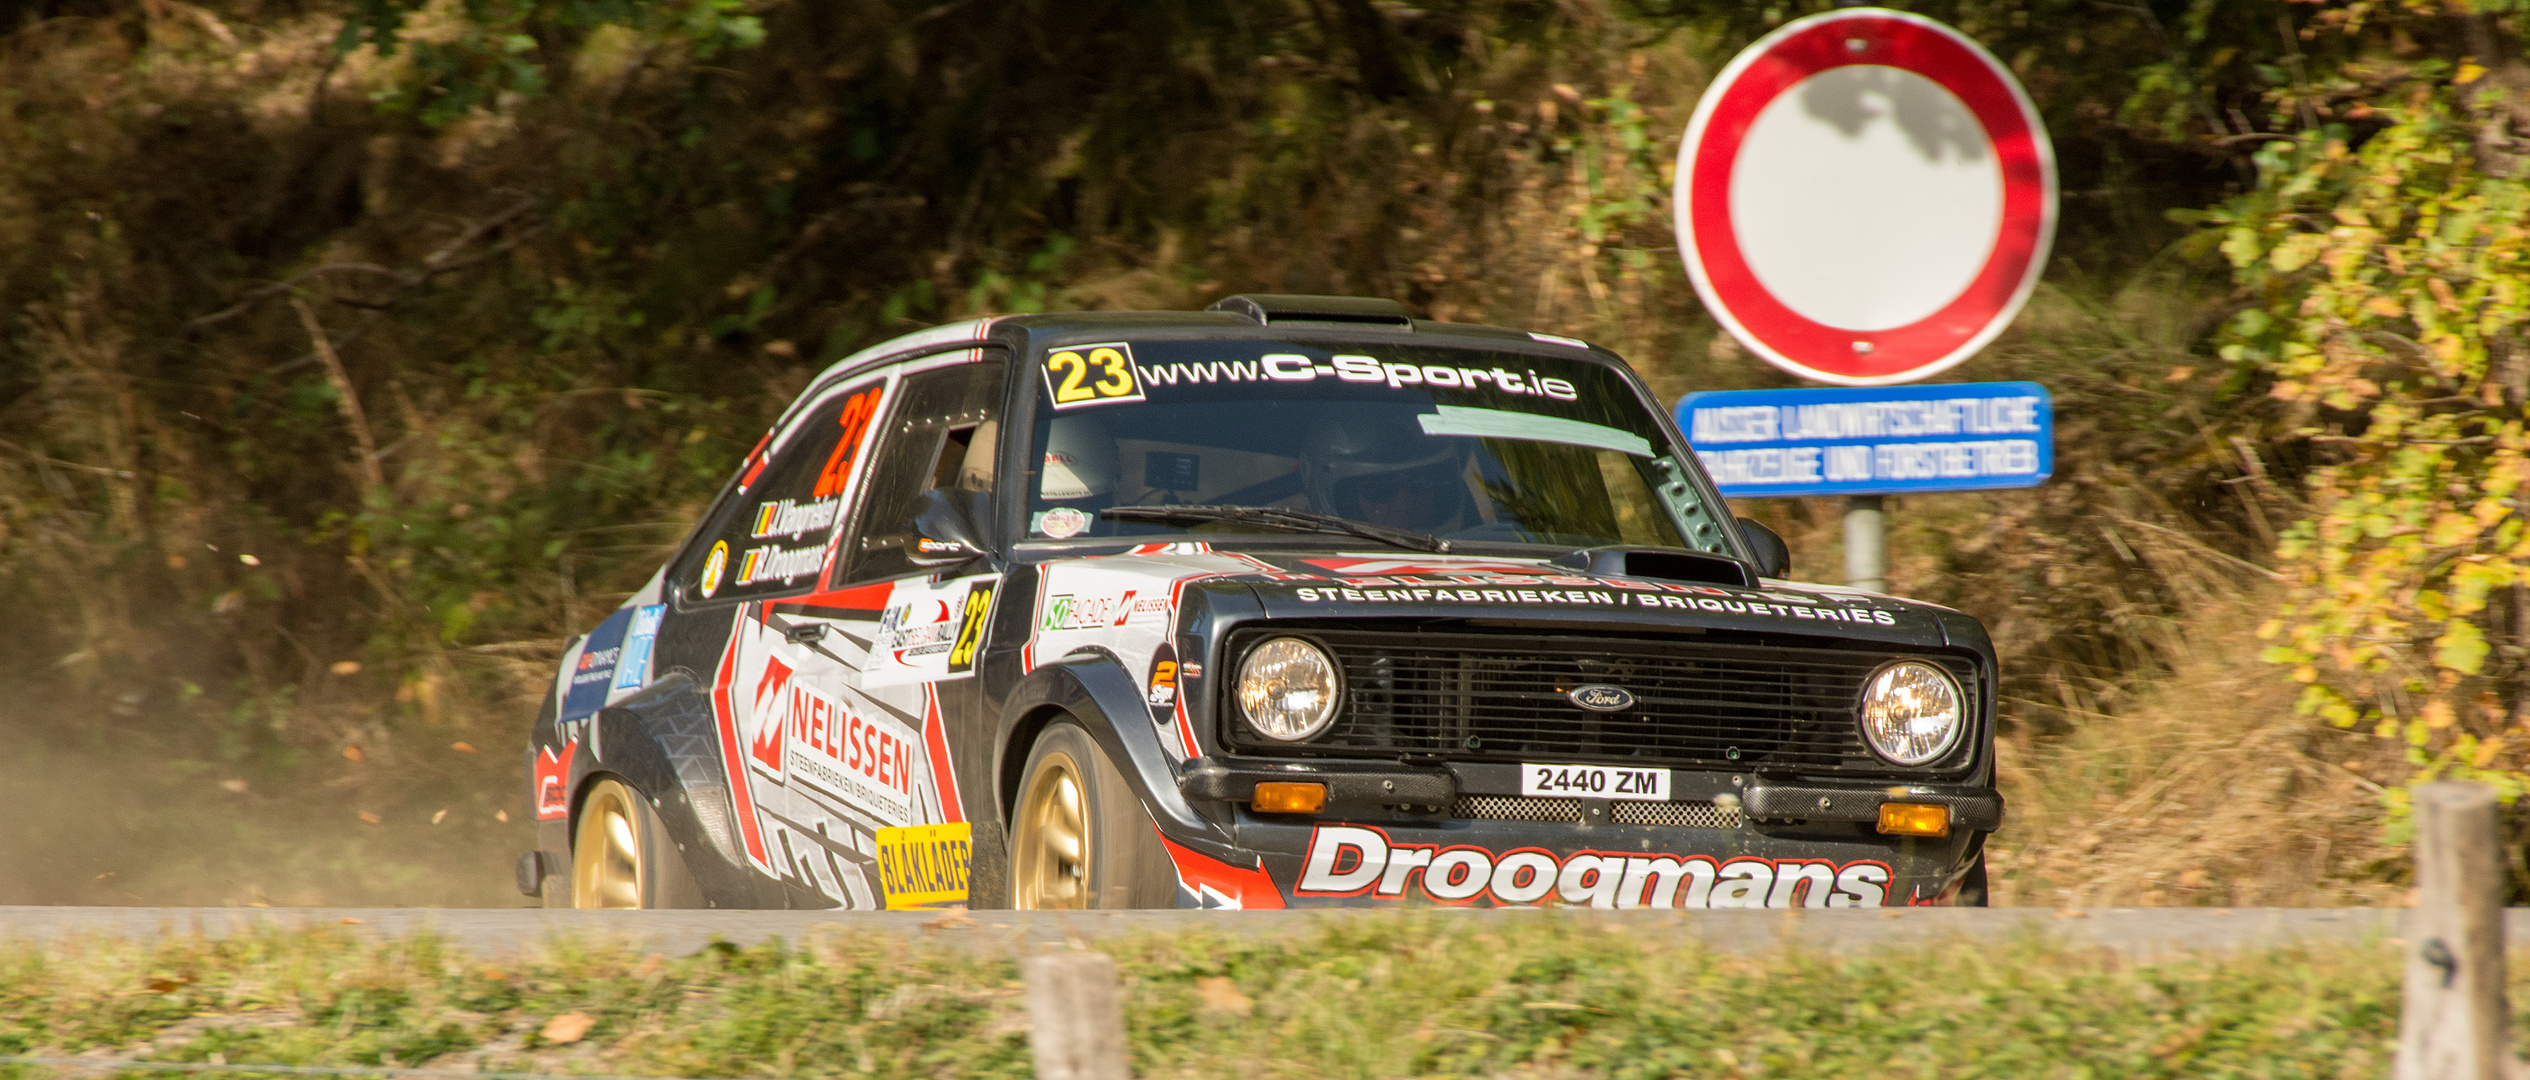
x: 1865, y: 197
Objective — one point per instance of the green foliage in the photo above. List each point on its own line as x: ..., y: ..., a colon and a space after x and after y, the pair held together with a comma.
x: 464, y: 57
x: 2385, y: 256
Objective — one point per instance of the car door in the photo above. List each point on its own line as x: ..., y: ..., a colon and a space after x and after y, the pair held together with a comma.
x: 826, y: 687
x: 937, y: 453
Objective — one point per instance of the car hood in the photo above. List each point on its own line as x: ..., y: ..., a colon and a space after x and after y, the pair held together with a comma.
x: 1321, y: 584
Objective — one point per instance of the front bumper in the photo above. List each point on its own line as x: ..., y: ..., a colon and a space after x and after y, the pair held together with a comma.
x: 1393, y: 834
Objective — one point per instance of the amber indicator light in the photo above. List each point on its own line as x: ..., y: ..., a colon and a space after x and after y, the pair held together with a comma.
x: 1914, y: 819
x: 1283, y: 798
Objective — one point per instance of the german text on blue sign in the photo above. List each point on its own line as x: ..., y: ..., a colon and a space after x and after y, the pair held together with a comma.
x: 1875, y: 440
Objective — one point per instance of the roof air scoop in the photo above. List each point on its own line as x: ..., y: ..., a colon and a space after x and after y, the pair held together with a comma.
x: 1350, y: 312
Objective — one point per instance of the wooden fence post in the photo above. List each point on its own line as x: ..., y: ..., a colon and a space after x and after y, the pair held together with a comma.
x: 1076, y: 1017
x: 2452, y: 1022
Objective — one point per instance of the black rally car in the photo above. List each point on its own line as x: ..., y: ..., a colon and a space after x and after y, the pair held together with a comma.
x: 1295, y: 601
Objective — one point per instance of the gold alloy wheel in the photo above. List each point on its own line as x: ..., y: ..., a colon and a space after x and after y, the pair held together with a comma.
x: 1051, y: 850
x: 606, y: 857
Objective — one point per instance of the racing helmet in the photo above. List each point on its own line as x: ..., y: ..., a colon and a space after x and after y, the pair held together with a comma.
x: 1382, y: 468
x: 1080, y: 461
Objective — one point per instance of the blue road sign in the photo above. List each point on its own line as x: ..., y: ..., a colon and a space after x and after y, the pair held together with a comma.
x: 1877, y: 440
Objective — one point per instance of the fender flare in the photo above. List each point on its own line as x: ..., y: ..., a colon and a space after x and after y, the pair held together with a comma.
x: 1094, y: 688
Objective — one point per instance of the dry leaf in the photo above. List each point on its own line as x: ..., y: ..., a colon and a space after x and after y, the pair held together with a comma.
x: 2180, y: 373
x: 1219, y: 994
x: 2070, y: 913
x: 350, y: 921
x: 250, y: 560
x: 164, y: 986
x: 952, y: 918
x: 569, y: 1027
x: 353, y: 752
x: 501, y: 815
x: 233, y: 787
x: 367, y: 818
x: 345, y: 667
x: 462, y: 747
x: 441, y: 816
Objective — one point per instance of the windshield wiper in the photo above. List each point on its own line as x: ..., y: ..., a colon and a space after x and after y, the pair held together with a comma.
x: 1275, y: 517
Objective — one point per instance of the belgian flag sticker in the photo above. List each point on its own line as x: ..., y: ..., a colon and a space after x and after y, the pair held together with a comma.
x: 922, y: 866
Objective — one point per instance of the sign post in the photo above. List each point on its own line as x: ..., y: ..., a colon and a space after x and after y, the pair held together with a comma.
x: 1865, y: 198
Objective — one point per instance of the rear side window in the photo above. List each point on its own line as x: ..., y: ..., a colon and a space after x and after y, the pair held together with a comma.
x: 770, y: 537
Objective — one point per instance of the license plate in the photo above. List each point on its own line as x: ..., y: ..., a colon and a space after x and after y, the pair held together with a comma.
x: 1594, y: 782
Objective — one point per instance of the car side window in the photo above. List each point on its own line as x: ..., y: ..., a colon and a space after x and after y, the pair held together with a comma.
x: 940, y: 436
x: 770, y: 537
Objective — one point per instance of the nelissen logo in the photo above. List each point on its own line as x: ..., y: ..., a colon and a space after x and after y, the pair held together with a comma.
x: 804, y: 735
x: 1353, y: 860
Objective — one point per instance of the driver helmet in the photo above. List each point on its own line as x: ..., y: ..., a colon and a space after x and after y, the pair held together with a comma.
x: 1383, y: 469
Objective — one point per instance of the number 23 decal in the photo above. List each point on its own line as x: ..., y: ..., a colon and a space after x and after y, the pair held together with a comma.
x: 1092, y: 375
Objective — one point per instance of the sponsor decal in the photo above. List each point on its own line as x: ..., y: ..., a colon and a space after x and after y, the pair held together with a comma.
x: 553, y: 781
x: 715, y: 564
x: 772, y: 563
x: 970, y: 639
x: 633, y: 671
x: 1060, y: 523
x: 922, y: 866
x: 1182, y: 547
x: 1354, y: 860
x: 928, y: 632
x: 1600, y: 697
x: 592, y: 675
x: 1295, y: 368
x: 1665, y: 596
x: 855, y: 419
x: 790, y: 517
x: 807, y: 736
x: 1093, y: 375
x: 1076, y: 612
x: 1160, y: 687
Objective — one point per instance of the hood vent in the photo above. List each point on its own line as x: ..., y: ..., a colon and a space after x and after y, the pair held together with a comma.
x: 1660, y: 564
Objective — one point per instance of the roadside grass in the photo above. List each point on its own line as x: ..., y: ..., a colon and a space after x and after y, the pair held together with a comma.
x: 1417, y: 994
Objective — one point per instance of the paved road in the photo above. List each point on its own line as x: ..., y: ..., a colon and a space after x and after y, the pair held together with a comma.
x: 2137, y: 932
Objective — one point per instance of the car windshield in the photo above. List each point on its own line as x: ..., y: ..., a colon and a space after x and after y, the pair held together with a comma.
x: 1464, y: 445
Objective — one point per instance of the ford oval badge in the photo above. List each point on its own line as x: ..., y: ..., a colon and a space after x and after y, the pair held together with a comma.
x: 1600, y: 697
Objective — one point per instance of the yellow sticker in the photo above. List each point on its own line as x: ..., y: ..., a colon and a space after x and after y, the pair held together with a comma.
x: 923, y: 866
x: 1092, y: 375
x: 713, y: 564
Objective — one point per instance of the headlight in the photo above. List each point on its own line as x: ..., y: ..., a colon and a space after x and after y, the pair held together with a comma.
x: 1287, y: 689
x: 1911, y: 712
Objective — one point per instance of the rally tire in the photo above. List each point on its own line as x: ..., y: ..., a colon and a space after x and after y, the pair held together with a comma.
x: 622, y: 857
x: 1079, y: 837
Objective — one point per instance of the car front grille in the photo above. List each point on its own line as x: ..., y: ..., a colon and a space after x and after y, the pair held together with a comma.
x: 1692, y: 815
x: 1698, y: 703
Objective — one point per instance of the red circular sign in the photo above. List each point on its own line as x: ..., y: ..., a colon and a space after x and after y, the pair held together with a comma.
x: 1865, y: 197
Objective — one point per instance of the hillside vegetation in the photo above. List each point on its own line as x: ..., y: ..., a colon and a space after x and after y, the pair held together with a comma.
x: 353, y: 354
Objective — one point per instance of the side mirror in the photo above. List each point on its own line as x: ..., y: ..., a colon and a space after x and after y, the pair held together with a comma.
x: 1774, y: 558
x: 944, y: 532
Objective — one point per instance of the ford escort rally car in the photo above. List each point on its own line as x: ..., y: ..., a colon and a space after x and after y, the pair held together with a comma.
x: 1295, y: 601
